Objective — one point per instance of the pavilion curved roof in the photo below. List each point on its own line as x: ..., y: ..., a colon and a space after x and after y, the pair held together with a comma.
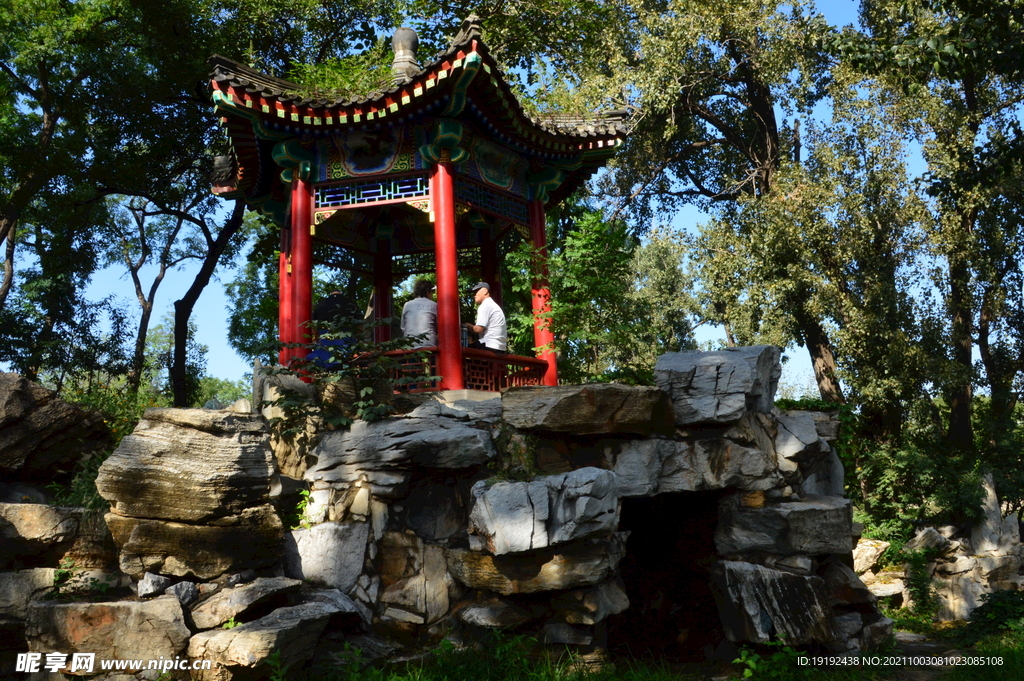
x: 256, y: 106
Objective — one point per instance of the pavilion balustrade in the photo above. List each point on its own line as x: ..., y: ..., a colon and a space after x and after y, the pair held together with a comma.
x: 481, y: 370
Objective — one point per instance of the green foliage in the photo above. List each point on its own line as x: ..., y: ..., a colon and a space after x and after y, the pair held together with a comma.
x: 292, y: 518
x: 231, y: 623
x: 122, y: 409
x: 517, y: 456
x: 353, y: 382
x: 999, y: 612
x: 616, y: 303
x: 1005, y: 651
x: 919, y: 583
x: 278, y: 670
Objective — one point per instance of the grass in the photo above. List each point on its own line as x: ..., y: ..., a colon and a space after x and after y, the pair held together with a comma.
x: 1008, y: 645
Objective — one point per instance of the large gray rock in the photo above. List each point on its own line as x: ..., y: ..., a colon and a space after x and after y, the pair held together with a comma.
x: 758, y: 604
x: 497, y: 613
x: 797, y: 444
x: 41, y: 435
x: 121, y: 630
x: 330, y: 554
x: 293, y: 631
x: 229, y: 603
x: 994, y: 534
x: 597, y: 409
x: 189, y: 465
x: 251, y: 539
x: 815, y: 525
x: 423, y: 597
x: 648, y: 467
x: 385, y: 452
x: 36, y: 530
x: 21, y: 587
x: 866, y: 554
x: 824, y: 476
x: 718, y: 387
x: 581, y: 563
x: 510, y: 517
x: 591, y: 605
x: 151, y: 585
x: 291, y: 450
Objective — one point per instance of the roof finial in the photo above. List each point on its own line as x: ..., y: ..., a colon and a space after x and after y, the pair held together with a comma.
x: 404, y: 43
x: 471, y: 28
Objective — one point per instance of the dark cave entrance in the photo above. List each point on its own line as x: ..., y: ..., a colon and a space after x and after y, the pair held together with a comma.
x: 666, y: 570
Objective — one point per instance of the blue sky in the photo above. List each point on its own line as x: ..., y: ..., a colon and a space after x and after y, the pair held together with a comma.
x: 211, y: 316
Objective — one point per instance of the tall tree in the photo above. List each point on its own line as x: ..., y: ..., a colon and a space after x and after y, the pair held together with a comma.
x: 956, y: 69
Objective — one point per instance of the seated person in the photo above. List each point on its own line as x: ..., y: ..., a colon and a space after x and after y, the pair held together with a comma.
x: 419, y: 315
x: 342, y: 314
x: 490, y: 322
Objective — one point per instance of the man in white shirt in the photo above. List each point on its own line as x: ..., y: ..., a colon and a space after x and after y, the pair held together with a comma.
x: 490, y: 322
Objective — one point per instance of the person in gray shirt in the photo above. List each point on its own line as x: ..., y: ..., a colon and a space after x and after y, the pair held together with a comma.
x: 419, y: 316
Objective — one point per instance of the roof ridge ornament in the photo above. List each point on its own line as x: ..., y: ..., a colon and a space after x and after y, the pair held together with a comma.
x: 404, y: 42
x: 471, y: 28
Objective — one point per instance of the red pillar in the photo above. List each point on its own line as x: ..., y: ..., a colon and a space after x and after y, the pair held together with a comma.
x: 284, y: 300
x: 449, y: 337
x: 383, y: 279
x: 542, y: 335
x: 302, y: 263
x: 489, y: 264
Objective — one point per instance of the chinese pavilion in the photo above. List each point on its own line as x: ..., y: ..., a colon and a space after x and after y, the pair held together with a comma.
x: 446, y: 163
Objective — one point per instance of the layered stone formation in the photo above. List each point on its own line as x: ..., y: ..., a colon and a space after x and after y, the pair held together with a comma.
x: 562, y: 512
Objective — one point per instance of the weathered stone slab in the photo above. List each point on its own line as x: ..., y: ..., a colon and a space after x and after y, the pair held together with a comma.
x: 797, y: 438
x: 994, y: 534
x: 384, y: 452
x: 866, y: 554
x: 718, y: 387
x: 824, y: 477
x: 510, y: 517
x: 423, y: 597
x: 151, y: 585
x: 293, y: 631
x: 844, y: 586
x: 41, y: 435
x: 927, y: 539
x: 114, y: 630
x: 330, y: 554
x: 28, y: 530
x: 18, y: 588
x: 186, y: 592
x: 251, y: 539
x: 582, y: 563
x: 189, y: 465
x: 496, y: 613
x: 229, y: 603
x: 596, y: 409
x: 591, y: 605
x: 757, y: 604
x: 815, y: 525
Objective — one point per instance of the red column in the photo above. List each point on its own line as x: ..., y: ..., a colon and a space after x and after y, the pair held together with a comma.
x: 542, y: 335
x: 489, y: 264
x: 382, y: 283
x: 284, y: 300
x: 302, y: 263
x: 449, y: 338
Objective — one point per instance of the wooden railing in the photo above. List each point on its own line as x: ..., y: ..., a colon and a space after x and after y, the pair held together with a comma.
x: 481, y: 370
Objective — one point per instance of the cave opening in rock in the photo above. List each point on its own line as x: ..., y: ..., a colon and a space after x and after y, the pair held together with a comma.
x: 666, y: 571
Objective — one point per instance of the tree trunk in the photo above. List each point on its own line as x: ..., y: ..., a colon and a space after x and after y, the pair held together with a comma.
x: 823, y: 360
x: 8, y: 276
x: 961, y: 433
x: 183, y: 308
